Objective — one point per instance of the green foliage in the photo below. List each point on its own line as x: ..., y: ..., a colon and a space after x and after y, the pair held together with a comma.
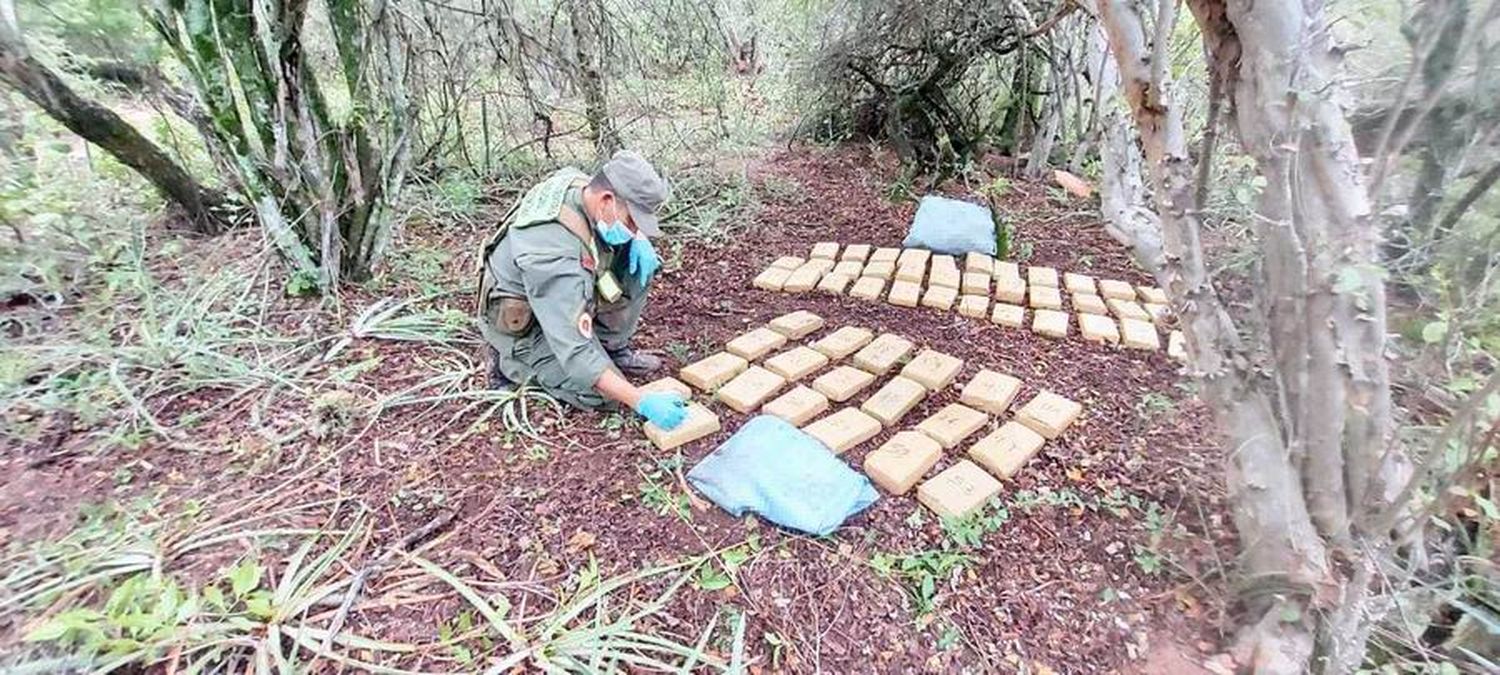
x: 922, y: 574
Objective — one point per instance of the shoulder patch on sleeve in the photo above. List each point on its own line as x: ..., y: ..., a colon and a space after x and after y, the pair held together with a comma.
x: 585, y: 324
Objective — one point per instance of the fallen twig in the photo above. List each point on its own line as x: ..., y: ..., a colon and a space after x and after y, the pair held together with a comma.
x: 438, y: 522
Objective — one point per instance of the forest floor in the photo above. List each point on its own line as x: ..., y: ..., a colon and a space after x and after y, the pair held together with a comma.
x: 1111, y: 543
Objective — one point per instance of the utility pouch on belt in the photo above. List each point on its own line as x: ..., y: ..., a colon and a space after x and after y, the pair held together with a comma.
x: 609, y: 287
x: 515, y: 317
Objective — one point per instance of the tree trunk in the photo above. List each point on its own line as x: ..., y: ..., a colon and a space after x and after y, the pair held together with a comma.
x: 587, y: 20
x: 101, y: 126
x: 1122, y: 191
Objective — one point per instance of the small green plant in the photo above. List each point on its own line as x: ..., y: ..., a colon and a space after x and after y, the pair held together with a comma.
x: 921, y: 573
x: 1154, y: 404
x: 302, y: 283
x: 968, y: 532
x: 655, y: 494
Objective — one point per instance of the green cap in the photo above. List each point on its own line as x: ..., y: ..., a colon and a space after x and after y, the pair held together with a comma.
x: 632, y: 178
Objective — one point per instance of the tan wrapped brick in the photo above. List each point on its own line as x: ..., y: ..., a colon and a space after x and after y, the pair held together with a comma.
x: 951, y: 425
x: 797, y: 406
x: 827, y: 250
x: 904, y: 294
x: 1050, y: 323
x: 844, y: 429
x: 698, y: 423
x: 1010, y: 289
x: 1013, y: 316
x: 842, y: 383
x: 879, y: 269
x: 843, y: 342
x: 788, y: 262
x: 1049, y: 414
x: 883, y: 353
x: 1098, y: 328
x: 1089, y: 304
x: 976, y: 283
x: 945, y: 262
x: 856, y: 253
x: 976, y: 306
x: 958, y: 490
x: 1044, y: 297
x: 979, y: 262
x: 1138, y: 334
x: 913, y: 256
x: 1177, y: 346
x: 772, y: 279
x: 933, y: 369
x: 802, y: 279
x: 1041, y: 276
x: 940, y: 297
x: 990, y: 391
x: 944, y: 277
x: 1005, y: 450
x: 867, y: 288
x: 912, y: 273
x: 900, y: 462
x: 1127, y: 309
x: 796, y: 325
x: 749, y: 389
x: 848, y: 268
x: 756, y: 343
x: 1160, y: 314
x: 891, y: 402
x: 712, y: 371
x: 1007, y: 270
x: 834, y: 284
x: 1151, y: 294
x: 667, y: 384
x: 1114, y: 288
x: 823, y: 265
x: 1079, y: 283
x: 885, y: 255
x: 797, y: 362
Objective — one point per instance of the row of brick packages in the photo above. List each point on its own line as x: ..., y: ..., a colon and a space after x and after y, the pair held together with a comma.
x: 773, y: 386
x: 1108, y: 310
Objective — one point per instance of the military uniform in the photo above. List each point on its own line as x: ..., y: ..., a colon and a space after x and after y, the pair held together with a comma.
x: 554, y: 299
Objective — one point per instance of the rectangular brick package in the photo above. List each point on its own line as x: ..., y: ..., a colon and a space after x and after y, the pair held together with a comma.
x: 1041, y: 276
x: 856, y: 253
x: 867, y: 288
x: 828, y: 250
x: 842, y: 383
x: 797, y: 362
x: 1098, y: 328
x: 1004, y: 450
x: 1127, y: 309
x: 1013, y: 316
x: 755, y: 344
x: 933, y: 369
x: 913, y: 256
x: 977, y: 283
x: 749, y: 389
x: 667, y: 384
x: 700, y: 422
x: 975, y: 306
x: 979, y: 262
x: 1049, y: 414
x: 883, y: 353
x: 892, y: 401
x: 1114, y: 288
x: 1152, y: 294
x: 1078, y: 283
x: 904, y: 294
x: 885, y: 255
x: 848, y: 268
x: 958, y: 490
x: 1050, y: 323
x: 834, y: 284
x: 1160, y: 314
x: 796, y: 325
x: 1137, y: 334
x: 712, y: 371
x: 900, y: 462
x: 879, y: 269
x: 940, y: 297
x: 943, y: 277
x: 951, y: 425
x: 1177, y: 346
x: 802, y: 279
x: 1089, y: 304
x: 843, y: 342
x: 797, y: 406
x: 911, y: 273
x: 1010, y: 289
x: 1044, y: 297
x: 788, y: 262
x: 772, y: 279
x: 990, y: 391
x: 844, y: 429
x: 1007, y: 269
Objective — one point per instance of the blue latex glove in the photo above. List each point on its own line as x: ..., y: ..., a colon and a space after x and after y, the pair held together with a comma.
x: 663, y: 408
x: 644, y: 262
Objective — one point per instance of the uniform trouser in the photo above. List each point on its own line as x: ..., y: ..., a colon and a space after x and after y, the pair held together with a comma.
x: 529, y: 358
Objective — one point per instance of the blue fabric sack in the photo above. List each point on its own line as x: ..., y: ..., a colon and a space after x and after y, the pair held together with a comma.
x: 773, y: 469
x: 951, y: 226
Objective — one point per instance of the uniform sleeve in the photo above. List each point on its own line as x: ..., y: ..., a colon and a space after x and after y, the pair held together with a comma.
x: 559, y: 290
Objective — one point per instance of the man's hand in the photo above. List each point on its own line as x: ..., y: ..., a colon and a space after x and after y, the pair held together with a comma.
x: 644, y: 262
x: 663, y: 408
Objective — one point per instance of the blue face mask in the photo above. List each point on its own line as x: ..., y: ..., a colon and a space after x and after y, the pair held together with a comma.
x: 613, y: 232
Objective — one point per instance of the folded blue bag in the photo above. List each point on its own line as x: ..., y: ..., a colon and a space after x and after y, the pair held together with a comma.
x: 773, y: 469
x: 951, y: 226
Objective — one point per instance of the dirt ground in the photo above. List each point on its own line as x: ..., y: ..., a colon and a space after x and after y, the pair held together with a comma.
x: 1072, y: 587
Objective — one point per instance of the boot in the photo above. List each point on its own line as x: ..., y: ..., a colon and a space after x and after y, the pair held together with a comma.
x: 497, y: 379
x: 635, y: 363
